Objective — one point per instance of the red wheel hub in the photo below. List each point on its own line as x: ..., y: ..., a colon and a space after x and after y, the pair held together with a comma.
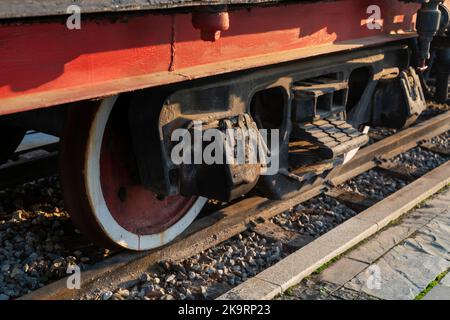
x: 135, y: 208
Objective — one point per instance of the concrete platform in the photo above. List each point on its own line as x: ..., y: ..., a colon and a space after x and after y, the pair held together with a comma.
x: 395, y: 264
x: 385, y: 261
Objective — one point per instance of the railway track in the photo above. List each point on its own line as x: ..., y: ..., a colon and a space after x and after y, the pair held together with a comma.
x: 36, y: 157
x: 117, y: 181
x: 251, y: 215
x: 326, y: 249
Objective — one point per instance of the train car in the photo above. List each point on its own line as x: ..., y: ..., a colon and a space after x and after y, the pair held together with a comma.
x: 287, y: 88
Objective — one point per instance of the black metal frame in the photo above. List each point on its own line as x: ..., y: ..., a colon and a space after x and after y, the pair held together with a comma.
x: 230, y: 96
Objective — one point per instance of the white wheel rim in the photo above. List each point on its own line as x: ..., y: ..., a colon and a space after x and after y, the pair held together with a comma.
x: 111, y: 228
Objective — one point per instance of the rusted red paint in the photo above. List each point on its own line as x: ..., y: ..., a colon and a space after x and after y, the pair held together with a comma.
x: 211, y: 24
x: 135, y: 208
x: 42, y: 62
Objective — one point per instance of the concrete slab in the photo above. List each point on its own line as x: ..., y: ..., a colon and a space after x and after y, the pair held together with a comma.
x: 442, y: 201
x: 446, y: 280
x: 444, y: 197
x: 347, y: 235
x: 387, y: 239
x: 342, y: 271
x: 348, y: 294
x: 381, y: 243
x: 433, y: 239
x: 312, y: 291
x: 420, y: 217
x: 401, y: 274
x: 438, y: 293
x: 252, y: 289
x: 291, y: 270
x: 398, y: 203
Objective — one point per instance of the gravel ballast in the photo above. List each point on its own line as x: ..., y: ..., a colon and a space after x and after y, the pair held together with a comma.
x: 37, y: 238
x: 38, y: 241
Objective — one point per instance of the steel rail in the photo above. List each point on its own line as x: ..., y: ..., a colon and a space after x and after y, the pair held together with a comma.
x: 230, y: 221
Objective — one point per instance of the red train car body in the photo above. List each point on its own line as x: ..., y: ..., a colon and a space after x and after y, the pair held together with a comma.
x: 94, y: 74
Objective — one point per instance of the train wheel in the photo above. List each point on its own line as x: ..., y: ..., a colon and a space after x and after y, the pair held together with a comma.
x: 100, y: 189
x: 11, y: 137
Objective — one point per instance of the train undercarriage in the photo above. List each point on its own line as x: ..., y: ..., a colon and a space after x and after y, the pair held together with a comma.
x: 299, y: 92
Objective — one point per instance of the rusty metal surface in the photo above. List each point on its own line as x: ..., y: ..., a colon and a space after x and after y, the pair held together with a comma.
x: 224, y: 224
x: 147, y: 50
x: 397, y: 170
x: 388, y: 148
x: 65, y: 95
x: 436, y: 148
x: 39, y: 8
x: 355, y: 201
